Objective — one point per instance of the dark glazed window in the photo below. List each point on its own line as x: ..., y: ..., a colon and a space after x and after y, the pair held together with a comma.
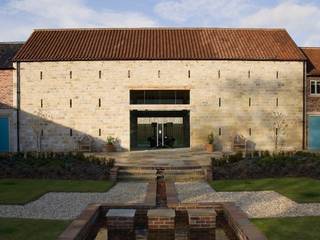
x: 159, y: 96
x: 315, y: 87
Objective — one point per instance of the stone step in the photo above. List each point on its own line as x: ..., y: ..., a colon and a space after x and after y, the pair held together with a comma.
x: 153, y: 177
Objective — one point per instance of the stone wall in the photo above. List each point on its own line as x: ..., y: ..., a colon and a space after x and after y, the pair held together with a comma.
x: 234, y: 82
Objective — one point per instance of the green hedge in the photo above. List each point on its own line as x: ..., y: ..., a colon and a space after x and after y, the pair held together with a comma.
x: 54, y: 165
x: 261, y: 165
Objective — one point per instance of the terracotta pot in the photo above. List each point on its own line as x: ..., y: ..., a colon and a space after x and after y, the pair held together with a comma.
x: 110, y: 148
x: 209, y: 147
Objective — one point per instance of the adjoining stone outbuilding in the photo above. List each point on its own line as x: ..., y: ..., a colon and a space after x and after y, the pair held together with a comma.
x: 8, y: 124
x: 313, y: 97
x: 155, y: 87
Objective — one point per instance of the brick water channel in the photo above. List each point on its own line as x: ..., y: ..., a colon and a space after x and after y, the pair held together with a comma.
x: 162, y: 222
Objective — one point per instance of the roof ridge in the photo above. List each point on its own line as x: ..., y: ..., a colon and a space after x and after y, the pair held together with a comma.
x: 13, y: 42
x: 158, y: 28
x: 310, y: 48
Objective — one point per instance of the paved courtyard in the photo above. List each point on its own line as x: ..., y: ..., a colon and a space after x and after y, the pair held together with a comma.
x: 260, y: 204
x: 70, y: 205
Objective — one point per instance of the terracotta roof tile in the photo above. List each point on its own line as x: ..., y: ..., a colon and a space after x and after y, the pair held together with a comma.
x: 159, y: 44
x: 313, y: 63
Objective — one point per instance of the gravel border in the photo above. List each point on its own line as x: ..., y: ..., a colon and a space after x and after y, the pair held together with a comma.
x: 58, y: 205
x: 257, y: 204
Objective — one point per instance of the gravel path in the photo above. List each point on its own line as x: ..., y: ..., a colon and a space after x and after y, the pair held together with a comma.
x: 58, y: 205
x: 261, y: 204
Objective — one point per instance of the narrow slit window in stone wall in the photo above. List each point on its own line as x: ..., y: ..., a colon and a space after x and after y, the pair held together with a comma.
x: 158, y: 73
x: 70, y: 74
x: 129, y: 74
x: 70, y: 132
x: 189, y: 74
x: 249, y: 102
x: 41, y: 103
x: 70, y: 103
x: 100, y: 74
x: 100, y: 132
x: 249, y: 74
x: 277, y: 74
x: 276, y: 131
x: 250, y: 132
x: 220, y: 131
x: 99, y: 102
x: 219, y: 74
x: 277, y: 102
x: 219, y: 102
x: 41, y: 132
x: 41, y: 75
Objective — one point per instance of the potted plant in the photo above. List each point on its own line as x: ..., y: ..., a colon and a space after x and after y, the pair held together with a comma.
x: 210, y: 144
x: 110, y: 146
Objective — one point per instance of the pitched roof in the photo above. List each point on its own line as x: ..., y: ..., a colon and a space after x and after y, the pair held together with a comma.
x: 159, y: 44
x: 313, y: 63
x: 7, y: 52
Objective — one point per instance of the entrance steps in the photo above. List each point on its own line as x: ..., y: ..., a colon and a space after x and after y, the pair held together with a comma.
x: 146, y: 173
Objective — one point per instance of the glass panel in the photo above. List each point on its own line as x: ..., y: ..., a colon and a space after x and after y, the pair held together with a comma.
x: 167, y: 97
x: 182, y: 97
x: 152, y: 97
x: 313, y: 87
x: 137, y: 97
x: 318, y: 87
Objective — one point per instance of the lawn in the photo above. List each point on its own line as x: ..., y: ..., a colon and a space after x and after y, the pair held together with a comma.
x: 298, y: 228
x: 301, y: 190
x: 31, y: 229
x: 21, y: 191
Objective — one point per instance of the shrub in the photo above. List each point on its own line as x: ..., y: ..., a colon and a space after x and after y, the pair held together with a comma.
x: 300, y: 164
x: 54, y: 165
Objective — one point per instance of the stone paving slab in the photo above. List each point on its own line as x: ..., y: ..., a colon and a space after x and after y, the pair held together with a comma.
x: 58, y: 205
x: 259, y: 204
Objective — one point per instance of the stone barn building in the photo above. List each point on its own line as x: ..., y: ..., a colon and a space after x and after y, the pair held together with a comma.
x: 159, y: 87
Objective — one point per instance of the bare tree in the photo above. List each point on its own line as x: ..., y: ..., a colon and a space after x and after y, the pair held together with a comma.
x: 279, y: 126
x: 39, y: 121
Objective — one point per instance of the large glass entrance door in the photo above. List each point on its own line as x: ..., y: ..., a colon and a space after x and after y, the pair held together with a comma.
x: 151, y: 131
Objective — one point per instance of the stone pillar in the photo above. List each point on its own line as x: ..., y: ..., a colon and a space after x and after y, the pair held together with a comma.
x: 161, y: 224
x: 202, y: 224
x: 120, y: 224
